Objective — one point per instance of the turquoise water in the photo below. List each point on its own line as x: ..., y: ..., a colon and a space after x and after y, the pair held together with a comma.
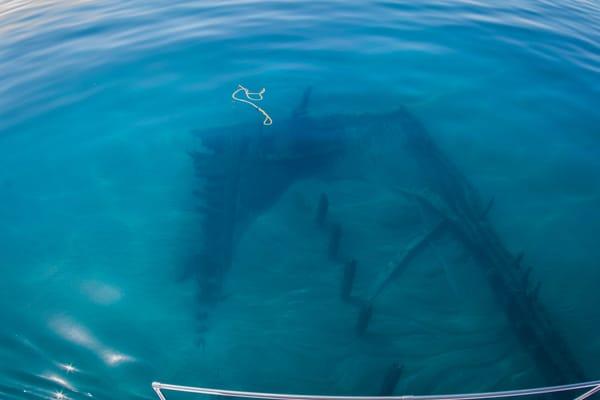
x: 109, y: 279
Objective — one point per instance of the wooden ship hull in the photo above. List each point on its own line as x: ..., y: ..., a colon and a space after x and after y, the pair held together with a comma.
x: 241, y: 175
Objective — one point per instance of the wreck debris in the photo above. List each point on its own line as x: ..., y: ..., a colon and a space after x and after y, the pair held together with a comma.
x: 219, y: 175
x: 322, y: 210
x: 462, y: 210
x: 452, y: 199
x: 487, y: 209
x: 511, y: 287
x: 390, y: 380
x: 348, y: 280
x: 395, y: 268
x: 242, y: 171
x: 518, y: 260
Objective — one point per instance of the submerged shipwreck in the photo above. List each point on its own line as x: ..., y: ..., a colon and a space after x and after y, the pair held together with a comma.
x: 244, y: 169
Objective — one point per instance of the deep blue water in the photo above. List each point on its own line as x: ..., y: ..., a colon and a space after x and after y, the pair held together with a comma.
x: 106, y: 281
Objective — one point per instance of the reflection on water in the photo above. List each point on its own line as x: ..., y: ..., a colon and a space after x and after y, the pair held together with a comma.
x: 154, y: 230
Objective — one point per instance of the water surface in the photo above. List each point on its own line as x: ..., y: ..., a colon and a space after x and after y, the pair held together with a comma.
x: 98, y: 102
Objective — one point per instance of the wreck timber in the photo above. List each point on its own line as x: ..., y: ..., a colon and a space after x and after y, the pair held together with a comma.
x: 465, y: 215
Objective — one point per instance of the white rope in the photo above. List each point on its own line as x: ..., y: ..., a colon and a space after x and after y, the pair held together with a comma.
x: 595, y: 385
x: 254, y: 96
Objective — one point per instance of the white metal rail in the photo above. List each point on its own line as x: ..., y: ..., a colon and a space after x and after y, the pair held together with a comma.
x: 592, y: 386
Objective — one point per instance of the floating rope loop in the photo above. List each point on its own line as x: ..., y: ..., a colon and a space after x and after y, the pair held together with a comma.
x: 254, y: 96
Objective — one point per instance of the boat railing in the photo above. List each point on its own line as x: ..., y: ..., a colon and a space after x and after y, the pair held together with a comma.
x: 591, y: 386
